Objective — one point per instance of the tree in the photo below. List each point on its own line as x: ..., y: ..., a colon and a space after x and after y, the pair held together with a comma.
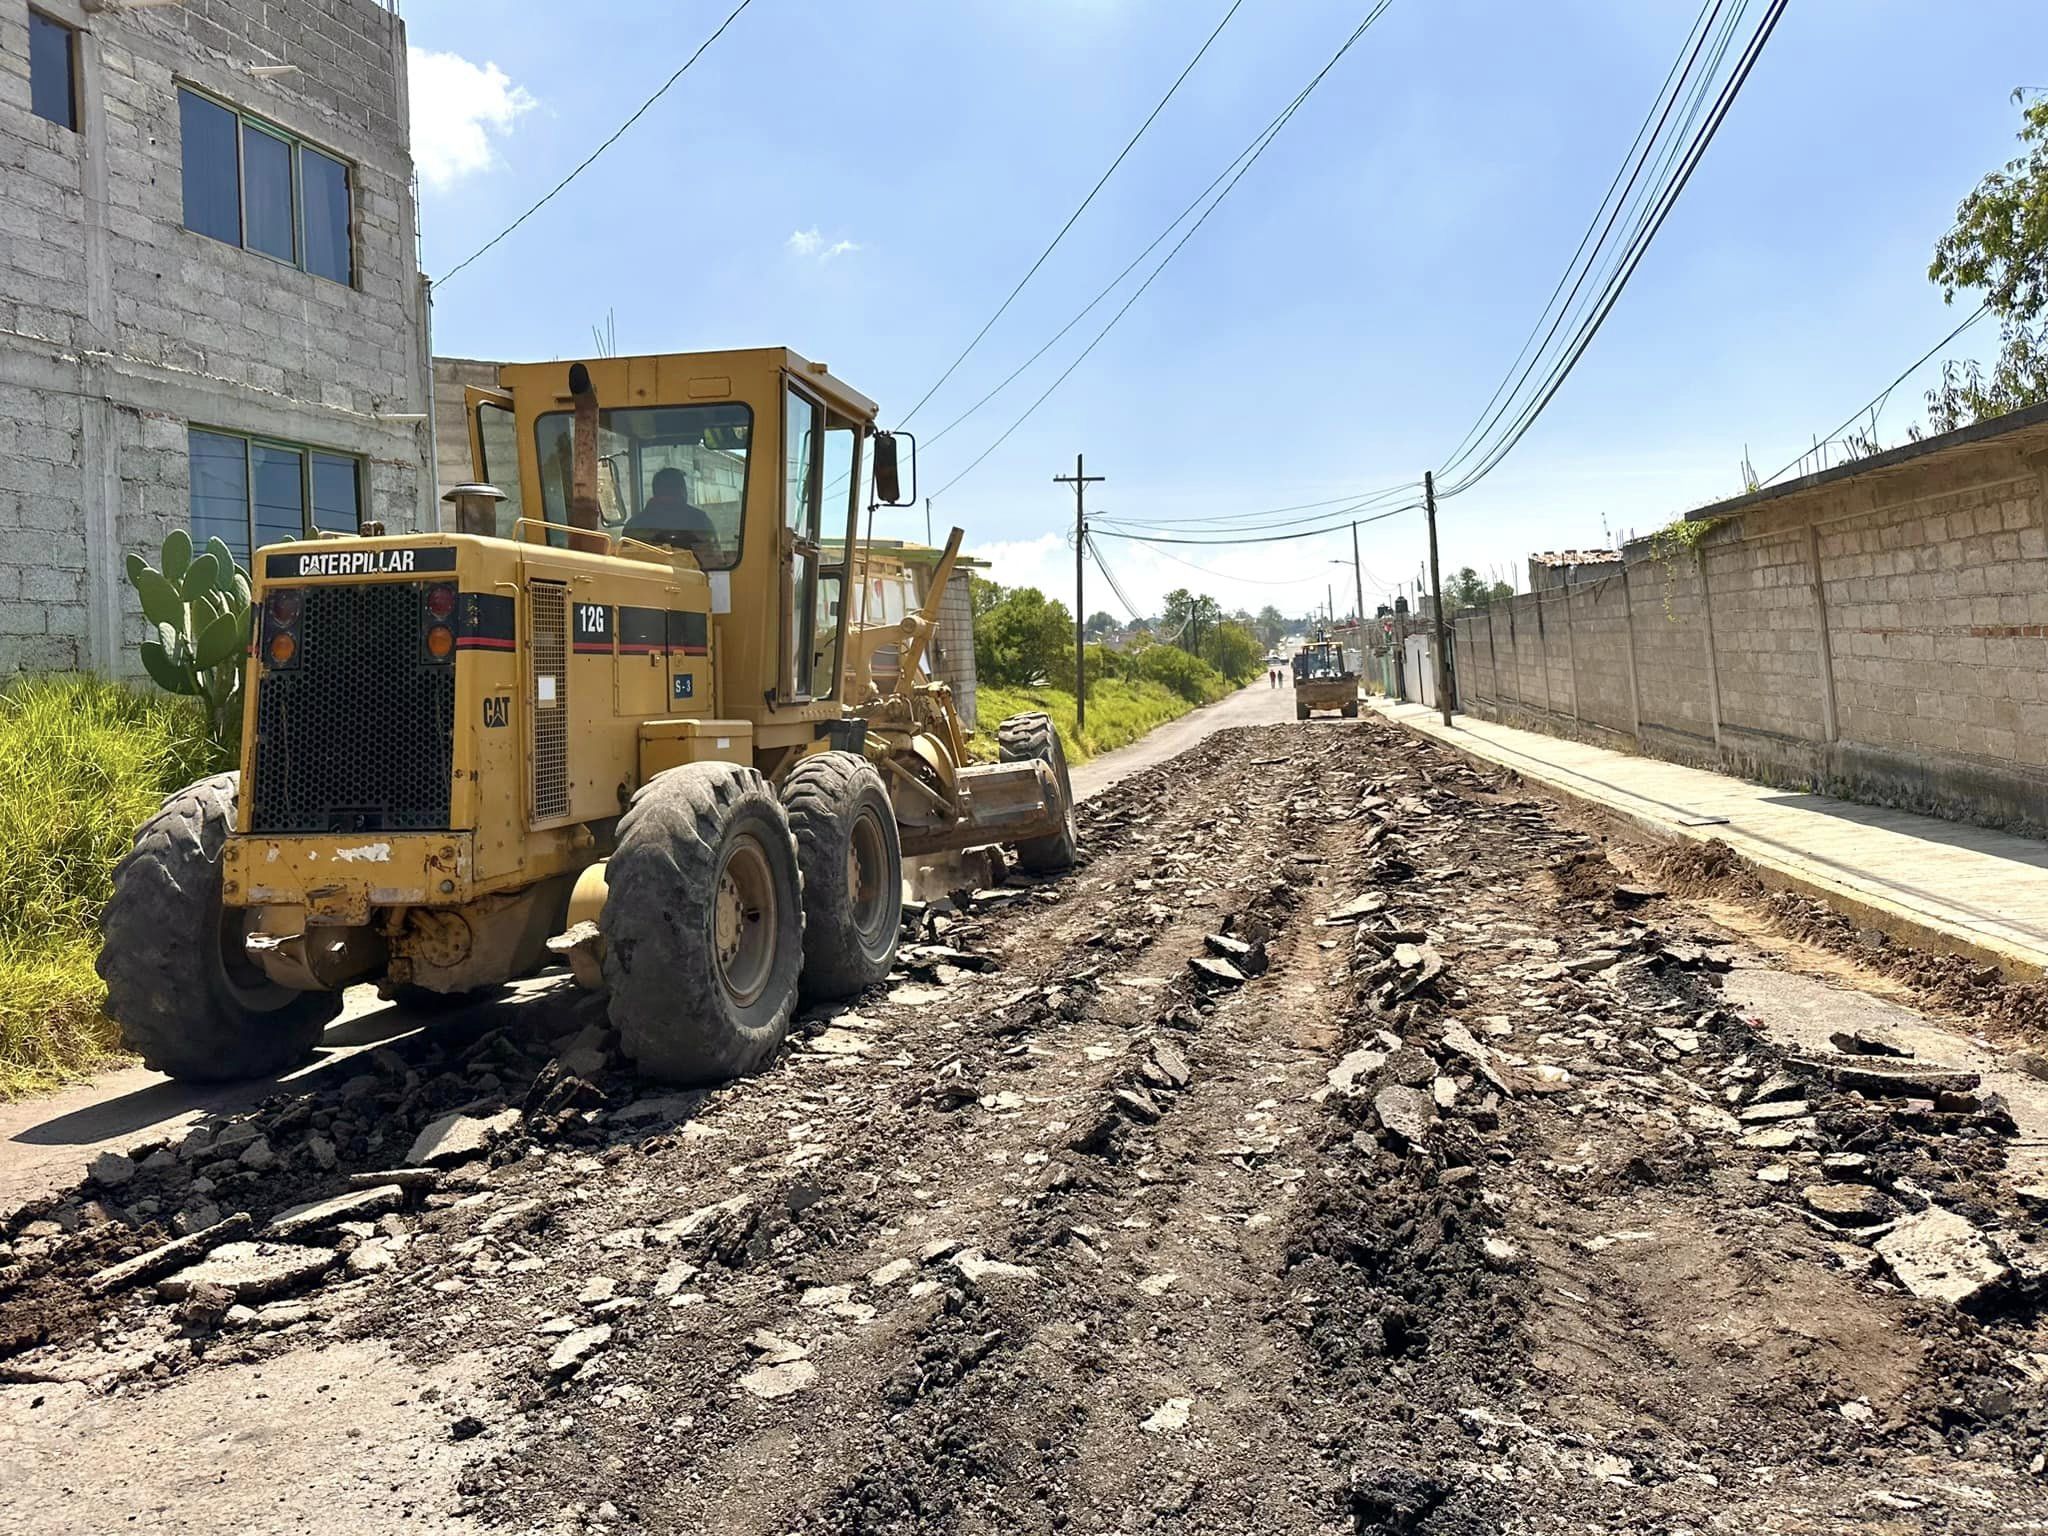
x: 1189, y: 616
x: 1099, y: 624
x: 1232, y: 649
x: 2000, y: 244
x: 1023, y: 637
x: 1270, y: 626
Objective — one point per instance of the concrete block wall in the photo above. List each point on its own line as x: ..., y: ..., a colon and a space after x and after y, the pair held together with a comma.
x: 1878, y: 631
x: 120, y: 328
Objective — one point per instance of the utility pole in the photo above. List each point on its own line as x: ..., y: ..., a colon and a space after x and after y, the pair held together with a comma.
x: 1358, y: 581
x: 1436, y: 597
x: 1080, y: 480
x: 928, y: 521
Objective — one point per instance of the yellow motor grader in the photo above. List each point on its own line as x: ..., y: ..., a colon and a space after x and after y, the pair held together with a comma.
x: 624, y: 706
x: 1322, y: 680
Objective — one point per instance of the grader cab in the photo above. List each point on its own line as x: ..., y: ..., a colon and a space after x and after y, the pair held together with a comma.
x: 623, y: 710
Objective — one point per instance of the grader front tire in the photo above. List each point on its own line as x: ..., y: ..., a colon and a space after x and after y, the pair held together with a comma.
x: 852, y: 864
x: 703, y: 924
x: 179, y: 983
x: 1019, y: 739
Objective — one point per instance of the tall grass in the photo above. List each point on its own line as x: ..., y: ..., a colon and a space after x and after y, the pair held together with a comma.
x: 83, y: 762
x: 1120, y: 710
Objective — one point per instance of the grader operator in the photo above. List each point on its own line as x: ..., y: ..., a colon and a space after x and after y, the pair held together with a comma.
x: 623, y: 706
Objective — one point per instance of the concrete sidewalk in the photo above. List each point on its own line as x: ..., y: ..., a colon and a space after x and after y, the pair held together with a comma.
x: 1939, y: 884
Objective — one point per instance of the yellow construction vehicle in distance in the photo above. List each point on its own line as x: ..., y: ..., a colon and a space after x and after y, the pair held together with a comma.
x: 621, y: 706
x: 1323, y: 681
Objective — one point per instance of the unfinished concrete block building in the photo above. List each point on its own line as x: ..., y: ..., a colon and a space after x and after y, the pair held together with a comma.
x: 211, y: 313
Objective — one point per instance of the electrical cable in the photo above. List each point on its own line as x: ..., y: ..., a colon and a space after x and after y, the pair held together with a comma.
x: 1279, y: 124
x: 1666, y: 202
x: 1332, y: 519
x: 1875, y: 400
x: 1115, y: 586
x: 1275, y: 538
x: 1667, y: 95
x: 1356, y: 498
x: 1076, y: 214
x: 717, y: 33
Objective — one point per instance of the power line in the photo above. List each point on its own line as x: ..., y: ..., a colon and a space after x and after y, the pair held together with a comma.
x: 1271, y: 538
x: 1338, y: 519
x: 1667, y: 95
x: 1356, y: 498
x: 1273, y: 133
x: 1878, y: 399
x: 1076, y: 214
x: 607, y: 144
x: 1123, y: 600
x: 1638, y: 247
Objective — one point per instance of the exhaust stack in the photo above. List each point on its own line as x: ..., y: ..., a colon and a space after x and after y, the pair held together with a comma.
x: 586, y: 514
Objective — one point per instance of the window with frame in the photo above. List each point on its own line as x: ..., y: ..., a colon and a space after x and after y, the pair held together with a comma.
x: 254, y: 185
x: 249, y: 491
x: 674, y: 475
x: 52, y: 71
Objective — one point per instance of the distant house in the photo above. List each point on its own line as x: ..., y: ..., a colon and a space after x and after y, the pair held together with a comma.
x: 1569, y: 567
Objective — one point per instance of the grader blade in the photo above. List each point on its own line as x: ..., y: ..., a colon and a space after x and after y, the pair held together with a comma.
x: 999, y: 803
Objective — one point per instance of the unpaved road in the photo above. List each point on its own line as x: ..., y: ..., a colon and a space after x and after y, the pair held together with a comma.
x: 1479, y: 1199
x: 46, y: 1142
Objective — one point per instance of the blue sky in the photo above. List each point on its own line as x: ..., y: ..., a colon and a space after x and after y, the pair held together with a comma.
x: 865, y: 184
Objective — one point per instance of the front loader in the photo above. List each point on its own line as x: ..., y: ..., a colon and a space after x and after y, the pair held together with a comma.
x: 623, y: 711
x: 1322, y: 680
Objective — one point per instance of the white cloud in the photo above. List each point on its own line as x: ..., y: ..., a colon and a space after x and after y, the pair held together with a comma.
x: 808, y: 242
x: 458, y: 110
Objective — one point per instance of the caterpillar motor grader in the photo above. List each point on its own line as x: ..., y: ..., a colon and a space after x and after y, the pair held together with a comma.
x: 1322, y: 680
x: 624, y: 705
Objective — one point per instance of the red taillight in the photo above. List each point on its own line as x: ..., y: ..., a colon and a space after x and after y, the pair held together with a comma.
x: 440, y: 601
x: 285, y: 606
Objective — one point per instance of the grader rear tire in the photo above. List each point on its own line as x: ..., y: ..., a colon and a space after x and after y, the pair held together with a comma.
x: 1019, y: 739
x: 1351, y: 711
x: 1301, y: 711
x: 179, y: 984
x: 852, y: 864
x: 703, y: 924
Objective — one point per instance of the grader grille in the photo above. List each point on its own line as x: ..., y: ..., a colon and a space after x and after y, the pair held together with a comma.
x: 359, y: 735
x: 549, y: 602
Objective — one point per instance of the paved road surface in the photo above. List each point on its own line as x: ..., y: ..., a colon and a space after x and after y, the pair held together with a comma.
x: 46, y: 1142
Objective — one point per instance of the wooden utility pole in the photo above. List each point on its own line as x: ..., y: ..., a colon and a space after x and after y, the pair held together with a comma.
x: 1436, y: 597
x: 1080, y: 480
x: 1358, y: 582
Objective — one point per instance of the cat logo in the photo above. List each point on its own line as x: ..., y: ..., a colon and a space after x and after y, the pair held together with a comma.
x: 497, y: 711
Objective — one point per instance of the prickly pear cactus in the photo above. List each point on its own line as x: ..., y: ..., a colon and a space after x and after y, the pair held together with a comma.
x: 199, y: 606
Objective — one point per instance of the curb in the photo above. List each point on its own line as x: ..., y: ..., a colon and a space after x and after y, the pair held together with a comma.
x: 1900, y: 922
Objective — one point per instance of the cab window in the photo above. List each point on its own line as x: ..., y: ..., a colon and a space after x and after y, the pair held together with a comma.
x: 673, y: 475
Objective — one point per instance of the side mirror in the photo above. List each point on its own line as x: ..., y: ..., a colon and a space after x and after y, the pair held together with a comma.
x: 888, y: 472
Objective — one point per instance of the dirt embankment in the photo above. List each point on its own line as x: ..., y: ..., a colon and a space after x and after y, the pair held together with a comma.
x: 1346, y: 1146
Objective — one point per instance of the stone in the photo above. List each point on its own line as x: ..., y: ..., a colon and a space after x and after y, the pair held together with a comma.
x: 1500, y: 1253
x: 373, y: 1256
x: 1938, y: 1256
x: 111, y: 1170
x: 411, y: 1180
x: 258, y: 1155
x: 1219, y: 972
x: 1138, y: 1105
x: 978, y: 1266
x: 1445, y: 1091
x: 1362, y: 1064
x: 1406, y: 1112
x: 1876, y: 1079
x: 161, y: 1260
x: 1356, y: 908
x: 577, y: 1349
x: 320, y: 1215
x: 770, y: 1382
x: 600, y: 1288
x: 251, y: 1271
x: 1867, y: 1042
x: 1846, y: 1205
x: 773, y: 1348
x: 1779, y: 1085
x: 1845, y: 1165
x: 939, y: 1248
x: 1169, y: 1416
x: 1230, y: 949
x: 1172, y: 1064
x: 891, y: 1272
x: 1410, y: 1067
x: 825, y: 1296
x: 1774, y: 1173
x: 196, y: 1217
x: 664, y: 1106
x: 685, y: 1227
x: 672, y: 1280
x: 584, y: 1061
x: 459, y: 1137
x: 1685, y: 1041
x: 1776, y: 1138
x: 322, y: 1151
x: 1777, y: 1109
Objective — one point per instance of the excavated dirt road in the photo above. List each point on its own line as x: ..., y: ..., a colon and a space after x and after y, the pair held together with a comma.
x: 1352, y: 1144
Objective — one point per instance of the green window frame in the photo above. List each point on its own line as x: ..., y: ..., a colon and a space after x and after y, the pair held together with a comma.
x: 252, y: 491
x: 318, y: 225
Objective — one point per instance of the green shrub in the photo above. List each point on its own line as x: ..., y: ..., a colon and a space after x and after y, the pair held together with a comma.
x: 83, y: 763
x: 1023, y: 636
x: 1189, y: 676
